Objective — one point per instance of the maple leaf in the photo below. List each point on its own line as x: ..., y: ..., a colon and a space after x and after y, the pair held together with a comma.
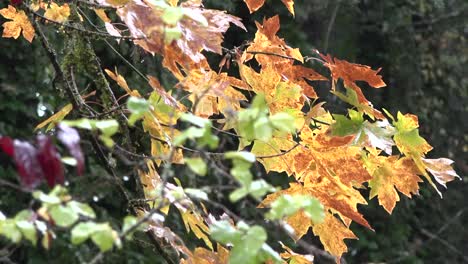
x: 377, y: 134
x: 441, y: 169
x: 350, y: 73
x: 267, y: 42
x: 199, y: 29
x: 332, y: 233
x: 213, y: 93
x: 57, y: 13
x: 389, y: 173
x: 407, y: 137
x: 19, y: 25
x: 273, y: 52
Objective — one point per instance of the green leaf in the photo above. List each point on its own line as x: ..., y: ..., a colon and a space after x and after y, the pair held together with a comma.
x: 28, y: 230
x: 25, y: 215
x: 287, y: 205
x: 82, y: 209
x: 104, y: 237
x: 242, y: 155
x: 283, y: 122
x: 196, y: 120
x: 197, y: 165
x: 246, y: 250
x: 63, y: 216
x: 107, y: 127
x: 224, y: 232
x: 9, y: 229
x: 196, y: 193
x: 241, y: 171
x: 172, y: 15
x: 139, y: 107
x: 238, y: 194
x: 344, y: 126
x: 259, y: 188
x: 82, y: 123
x: 82, y: 231
x: 263, y: 129
x: 47, y: 199
x: 190, y: 133
x: 129, y: 222
x: 171, y: 34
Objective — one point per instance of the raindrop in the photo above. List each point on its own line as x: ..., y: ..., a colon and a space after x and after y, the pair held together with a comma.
x: 67, y: 183
x: 125, y: 178
x: 95, y: 198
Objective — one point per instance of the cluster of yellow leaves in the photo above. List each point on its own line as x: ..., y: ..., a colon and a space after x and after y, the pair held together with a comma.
x: 20, y: 23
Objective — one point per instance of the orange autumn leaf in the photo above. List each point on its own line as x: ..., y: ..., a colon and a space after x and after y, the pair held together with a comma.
x: 273, y: 52
x: 267, y: 41
x: 200, y: 29
x: 254, y: 5
x: 19, y: 25
x: 332, y: 233
x: 390, y: 174
x: 351, y: 72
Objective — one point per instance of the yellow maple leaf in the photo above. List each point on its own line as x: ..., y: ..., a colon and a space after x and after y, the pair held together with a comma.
x: 332, y: 233
x: 389, y: 173
x: 19, y: 25
x: 57, y: 13
x: 193, y: 221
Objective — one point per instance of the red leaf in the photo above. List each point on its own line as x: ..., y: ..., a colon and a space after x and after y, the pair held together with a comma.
x: 49, y: 160
x: 27, y: 164
x: 6, y: 144
x: 16, y: 2
x: 71, y: 139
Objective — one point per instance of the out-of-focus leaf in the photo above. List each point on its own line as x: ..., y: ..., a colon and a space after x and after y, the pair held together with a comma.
x: 27, y: 164
x: 7, y: 145
x: 71, y: 139
x: 197, y: 165
x: 63, y: 216
x: 50, y: 161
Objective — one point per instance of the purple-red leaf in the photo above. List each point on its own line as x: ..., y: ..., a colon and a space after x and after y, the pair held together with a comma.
x: 71, y: 139
x: 50, y: 162
x: 27, y: 164
x: 6, y: 144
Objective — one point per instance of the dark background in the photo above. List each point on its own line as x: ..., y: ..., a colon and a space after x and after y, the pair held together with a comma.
x: 422, y: 48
